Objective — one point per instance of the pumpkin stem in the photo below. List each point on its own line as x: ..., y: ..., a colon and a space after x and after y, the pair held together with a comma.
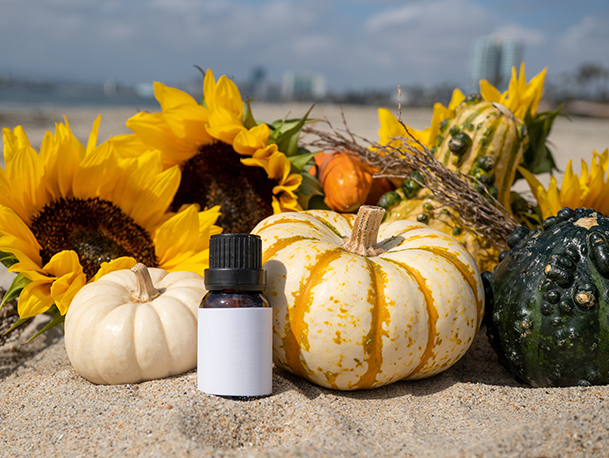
x: 365, y: 232
x: 145, y: 290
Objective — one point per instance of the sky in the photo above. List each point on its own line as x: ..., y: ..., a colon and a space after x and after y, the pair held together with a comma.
x: 355, y: 45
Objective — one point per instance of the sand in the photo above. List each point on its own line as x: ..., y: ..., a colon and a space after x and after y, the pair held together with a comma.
x: 475, y: 408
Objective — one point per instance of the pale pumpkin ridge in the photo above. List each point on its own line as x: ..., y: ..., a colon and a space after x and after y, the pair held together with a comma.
x: 373, y: 343
x: 432, y: 314
x: 277, y: 221
x: 465, y: 270
x: 288, y: 220
x: 276, y: 247
x: 326, y: 223
x: 296, y: 329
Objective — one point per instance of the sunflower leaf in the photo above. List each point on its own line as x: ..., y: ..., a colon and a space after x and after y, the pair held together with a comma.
x: 538, y: 157
x: 57, y: 319
x: 287, y: 133
x: 311, y: 193
x: 8, y: 259
x: 300, y: 160
x: 15, y: 325
x: 15, y: 289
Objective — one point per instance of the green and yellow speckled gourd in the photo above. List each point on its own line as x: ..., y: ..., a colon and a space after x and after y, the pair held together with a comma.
x: 547, y: 301
x: 359, y: 304
x: 483, y: 140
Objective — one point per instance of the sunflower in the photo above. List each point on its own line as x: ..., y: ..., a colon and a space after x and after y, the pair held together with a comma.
x: 590, y: 190
x: 71, y: 213
x: 223, y: 154
x: 521, y: 97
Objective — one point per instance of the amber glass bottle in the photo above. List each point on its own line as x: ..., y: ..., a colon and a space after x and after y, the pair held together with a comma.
x: 235, y: 321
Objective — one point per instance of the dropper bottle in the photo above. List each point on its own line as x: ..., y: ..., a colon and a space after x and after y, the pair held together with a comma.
x: 235, y: 321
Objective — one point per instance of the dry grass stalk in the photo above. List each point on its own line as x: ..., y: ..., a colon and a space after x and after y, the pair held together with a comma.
x: 8, y: 317
x: 453, y: 190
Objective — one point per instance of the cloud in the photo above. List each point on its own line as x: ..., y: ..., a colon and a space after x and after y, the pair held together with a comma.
x: 355, y: 44
x: 588, y: 39
x: 392, y: 18
x: 532, y: 37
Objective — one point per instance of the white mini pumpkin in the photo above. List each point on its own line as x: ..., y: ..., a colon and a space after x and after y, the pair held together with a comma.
x: 134, y: 325
x: 353, y: 311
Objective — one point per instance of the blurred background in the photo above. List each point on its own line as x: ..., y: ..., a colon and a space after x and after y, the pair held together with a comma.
x: 91, y: 52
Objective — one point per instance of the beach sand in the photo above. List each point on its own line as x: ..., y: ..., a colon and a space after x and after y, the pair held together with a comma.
x: 475, y: 408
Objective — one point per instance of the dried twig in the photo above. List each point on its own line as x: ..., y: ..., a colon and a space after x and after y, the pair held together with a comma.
x: 450, y: 189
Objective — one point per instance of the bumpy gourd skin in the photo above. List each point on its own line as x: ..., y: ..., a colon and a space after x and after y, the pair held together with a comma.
x: 547, y: 311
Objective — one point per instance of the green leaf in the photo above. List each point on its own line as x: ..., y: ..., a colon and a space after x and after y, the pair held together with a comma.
x: 300, y: 160
x: 538, y: 157
x: 287, y: 133
x: 311, y: 192
x: 317, y: 203
x: 14, y: 290
x: 57, y: 319
x: 8, y: 259
x: 248, y: 117
x: 16, y: 325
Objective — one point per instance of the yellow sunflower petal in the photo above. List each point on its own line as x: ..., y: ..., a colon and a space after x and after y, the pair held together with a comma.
x: 247, y: 143
x: 227, y: 96
x: 584, y: 174
x: 456, y: 99
x: 129, y: 145
x: 176, y: 239
x: 535, y: 88
x: 553, y: 197
x: 125, y: 262
x: 256, y: 162
x: 61, y: 155
x: 35, y: 299
x: 209, y: 89
x: 169, y: 97
x: 390, y: 127
x: 152, y: 128
x: 11, y: 224
x: 22, y: 182
x: 148, y: 191
x: 224, y: 125
x: 570, y: 191
x: 69, y: 278
x: 97, y: 174
x: 489, y: 92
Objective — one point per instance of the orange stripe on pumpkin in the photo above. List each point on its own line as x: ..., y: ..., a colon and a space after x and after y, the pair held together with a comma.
x: 296, y: 329
x: 373, y: 343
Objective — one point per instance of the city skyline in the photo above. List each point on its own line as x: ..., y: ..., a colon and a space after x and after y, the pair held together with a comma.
x: 353, y: 45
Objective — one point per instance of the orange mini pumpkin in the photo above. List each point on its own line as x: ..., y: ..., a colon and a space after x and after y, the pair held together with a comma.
x: 347, y: 182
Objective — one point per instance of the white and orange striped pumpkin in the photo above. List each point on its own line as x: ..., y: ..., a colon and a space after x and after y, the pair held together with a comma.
x: 353, y: 313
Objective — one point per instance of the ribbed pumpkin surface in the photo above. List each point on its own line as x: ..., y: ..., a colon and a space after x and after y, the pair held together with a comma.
x: 483, y: 140
x: 350, y: 321
x: 498, y: 141
x: 447, y: 221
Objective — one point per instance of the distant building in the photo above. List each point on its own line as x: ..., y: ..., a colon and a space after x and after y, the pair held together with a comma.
x: 303, y: 86
x: 492, y: 60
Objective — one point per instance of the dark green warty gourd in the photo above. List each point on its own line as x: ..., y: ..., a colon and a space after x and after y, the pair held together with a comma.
x: 547, y: 300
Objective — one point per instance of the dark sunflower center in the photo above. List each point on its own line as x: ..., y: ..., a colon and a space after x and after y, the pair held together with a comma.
x: 216, y: 176
x: 97, y: 230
